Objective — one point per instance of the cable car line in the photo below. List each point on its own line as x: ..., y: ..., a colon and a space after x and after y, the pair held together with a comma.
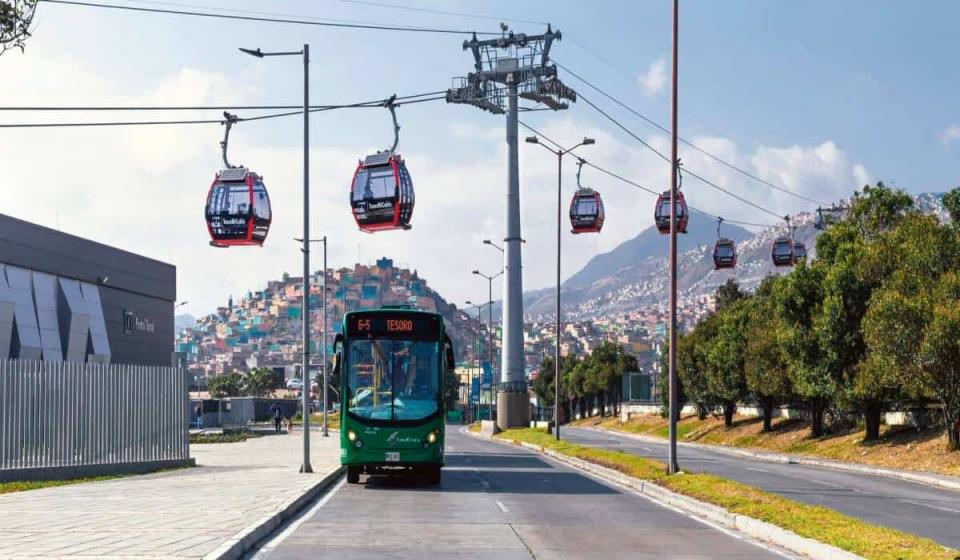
x: 686, y: 142
x: 318, y: 109
x: 643, y: 188
x: 375, y: 103
x: 441, y: 12
x: 368, y: 26
x: 665, y: 158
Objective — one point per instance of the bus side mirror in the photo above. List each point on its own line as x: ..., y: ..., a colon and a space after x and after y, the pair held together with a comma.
x: 337, y: 349
x: 448, y: 350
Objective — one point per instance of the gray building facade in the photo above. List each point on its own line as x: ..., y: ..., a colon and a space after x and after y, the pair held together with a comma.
x: 65, y: 298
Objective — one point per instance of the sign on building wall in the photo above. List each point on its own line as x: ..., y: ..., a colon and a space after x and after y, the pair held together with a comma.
x: 50, y: 318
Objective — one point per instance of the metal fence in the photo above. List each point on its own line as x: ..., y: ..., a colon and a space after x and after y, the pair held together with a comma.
x: 67, y: 414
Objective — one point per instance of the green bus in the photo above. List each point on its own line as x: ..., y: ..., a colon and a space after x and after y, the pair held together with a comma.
x: 391, y: 363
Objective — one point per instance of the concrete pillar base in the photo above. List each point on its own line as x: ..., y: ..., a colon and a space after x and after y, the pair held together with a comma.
x: 513, y: 410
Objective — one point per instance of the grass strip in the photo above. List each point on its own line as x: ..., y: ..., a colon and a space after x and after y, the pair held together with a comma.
x: 475, y: 427
x: 25, y: 485
x: 225, y: 437
x: 814, y: 522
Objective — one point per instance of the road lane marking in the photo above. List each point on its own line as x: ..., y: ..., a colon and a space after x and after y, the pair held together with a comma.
x: 502, y: 507
x: 756, y: 469
x: 830, y: 484
x: 941, y: 508
x: 264, y: 551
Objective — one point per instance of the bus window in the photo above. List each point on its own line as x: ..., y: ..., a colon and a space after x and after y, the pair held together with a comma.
x: 393, y: 379
x: 370, y: 383
x: 416, y: 380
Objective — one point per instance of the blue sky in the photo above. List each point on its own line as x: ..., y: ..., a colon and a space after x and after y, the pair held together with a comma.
x: 817, y: 96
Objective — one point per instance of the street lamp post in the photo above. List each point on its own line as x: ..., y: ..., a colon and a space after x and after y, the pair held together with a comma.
x: 493, y: 382
x: 479, y: 308
x: 556, y: 376
x: 305, y: 467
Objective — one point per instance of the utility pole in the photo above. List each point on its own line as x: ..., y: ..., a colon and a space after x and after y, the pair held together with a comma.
x: 323, y: 308
x: 523, y: 70
x: 672, y: 466
x: 305, y: 466
x: 493, y: 383
x: 479, y: 308
x: 556, y: 356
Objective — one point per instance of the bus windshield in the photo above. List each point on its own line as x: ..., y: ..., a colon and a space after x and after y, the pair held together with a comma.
x: 393, y: 379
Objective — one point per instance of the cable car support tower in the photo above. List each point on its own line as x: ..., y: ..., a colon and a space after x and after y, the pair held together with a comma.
x: 511, y: 66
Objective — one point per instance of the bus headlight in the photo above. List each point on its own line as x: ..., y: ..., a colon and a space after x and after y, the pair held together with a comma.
x: 432, y: 437
x: 351, y: 435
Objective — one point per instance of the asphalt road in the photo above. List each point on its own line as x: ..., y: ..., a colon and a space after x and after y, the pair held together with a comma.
x: 911, y: 507
x: 500, y: 503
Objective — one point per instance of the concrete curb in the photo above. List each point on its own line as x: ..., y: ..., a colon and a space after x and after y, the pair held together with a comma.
x: 245, y: 541
x: 753, y: 528
x: 939, y: 481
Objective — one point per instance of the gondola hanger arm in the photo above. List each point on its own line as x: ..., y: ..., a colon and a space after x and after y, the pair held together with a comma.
x: 392, y: 106
x: 228, y: 122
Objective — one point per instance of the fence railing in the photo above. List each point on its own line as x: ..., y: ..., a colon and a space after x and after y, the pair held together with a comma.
x: 67, y: 414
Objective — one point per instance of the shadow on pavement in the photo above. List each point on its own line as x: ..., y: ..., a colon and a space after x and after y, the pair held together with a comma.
x: 487, y: 460
x: 503, y: 481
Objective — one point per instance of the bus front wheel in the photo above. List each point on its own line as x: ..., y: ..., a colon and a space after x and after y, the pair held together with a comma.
x: 433, y: 475
x: 353, y: 474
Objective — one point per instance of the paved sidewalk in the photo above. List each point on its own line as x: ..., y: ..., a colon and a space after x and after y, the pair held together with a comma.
x: 187, y: 513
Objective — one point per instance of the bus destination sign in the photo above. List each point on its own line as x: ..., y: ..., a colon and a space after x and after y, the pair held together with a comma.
x: 375, y: 326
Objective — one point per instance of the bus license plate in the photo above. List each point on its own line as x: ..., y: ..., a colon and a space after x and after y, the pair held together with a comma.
x: 393, y: 456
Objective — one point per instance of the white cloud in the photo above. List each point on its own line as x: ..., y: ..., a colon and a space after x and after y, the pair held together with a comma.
x: 950, y: 135
x: 653, y: 82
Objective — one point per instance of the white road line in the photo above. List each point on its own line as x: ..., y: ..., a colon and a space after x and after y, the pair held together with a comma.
x: 830, y: 484
x: 273, y: 543
x: 756, y: 469
x: 931, y: 506
x: 502, y: 507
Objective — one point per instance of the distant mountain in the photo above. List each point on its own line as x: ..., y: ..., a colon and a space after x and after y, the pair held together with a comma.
x: 638, y: 260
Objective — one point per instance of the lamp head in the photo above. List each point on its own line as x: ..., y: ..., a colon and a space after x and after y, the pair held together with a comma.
x: 533, y: 140
x: 257, y: 53
x: 476, y: 272
x: 486, y: 241
x: 589, y: 141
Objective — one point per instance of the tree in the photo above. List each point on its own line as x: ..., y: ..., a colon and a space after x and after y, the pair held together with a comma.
x: 940, y: 363
x: 693, y: 365
x: 226, y: 385
x: 798, y: 298
x: 951, y: 201
x: 878, y: 209
x: 728, y: 293
x: 259, y: 382
x: 15, y: 19
x: 765, y: 369
x: 724, y: 356
x: 543, y: 385
x: 663, y: 384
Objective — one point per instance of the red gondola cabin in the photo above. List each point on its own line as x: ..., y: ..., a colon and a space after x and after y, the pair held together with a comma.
x: 662, y: 213
x: 238, y: 209
x: 381, y: 193
x: 586, y: 211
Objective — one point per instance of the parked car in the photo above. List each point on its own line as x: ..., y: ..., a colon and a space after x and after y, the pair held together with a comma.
x: 294, y: 384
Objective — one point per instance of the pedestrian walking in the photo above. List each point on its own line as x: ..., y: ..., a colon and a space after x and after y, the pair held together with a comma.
x: 199, y: 413
x: 277, y: 417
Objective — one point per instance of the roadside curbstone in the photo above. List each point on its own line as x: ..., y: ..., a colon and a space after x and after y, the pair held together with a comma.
x: 939, y: 481
x: 754, y: 528
x: 244, y: 541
